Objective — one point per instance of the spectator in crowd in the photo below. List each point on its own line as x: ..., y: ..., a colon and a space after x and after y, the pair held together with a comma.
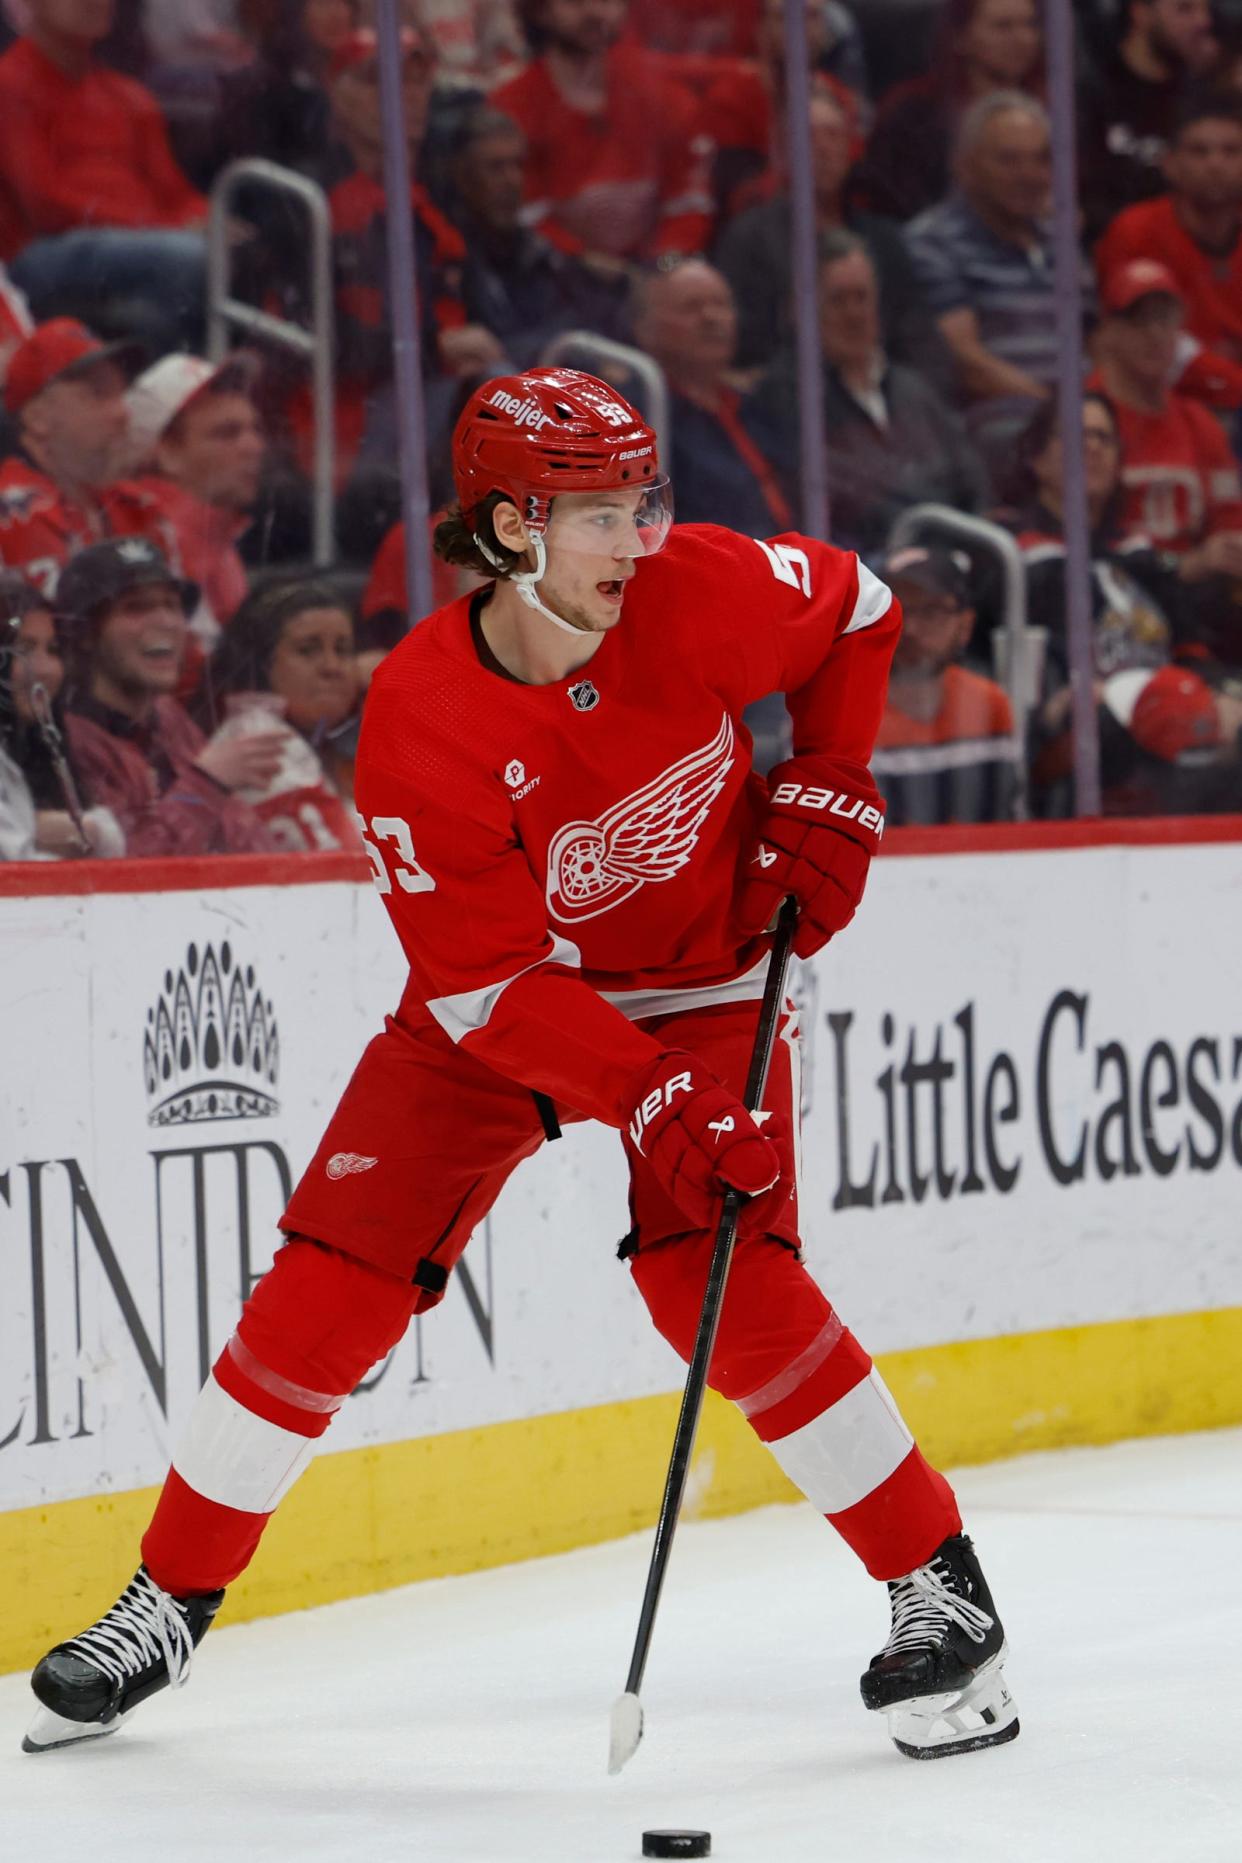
x: 92, y: 205
x: 385, y: 608
x: 945, y: 751
x: 617, y: 166
x: 43, y: 815
x: 518, y: 284
x: 685, y: 318
x: 892, y: 441
x: 1168, y: 739
x: 454, y: 349
x: 982, y: 46
x: 65, y: 391
x: 142, y: 755
x: 984, y: 259
x: 277, y: 105
x: 1130, y: 98
x: 754, y: 252
x: 15, y: 320
x: 743, y: 105
x: 1179, y: 476
x: 286, y: 664
x: 1195, y: 229
x: 198, y: 444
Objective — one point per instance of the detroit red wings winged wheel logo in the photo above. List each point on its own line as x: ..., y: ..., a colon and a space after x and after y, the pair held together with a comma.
x: 646, y: 837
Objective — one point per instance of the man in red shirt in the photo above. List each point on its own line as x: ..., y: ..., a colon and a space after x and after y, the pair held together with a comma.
x: 66, y: 391
x: 617, y: 161
x: 555, y: 785
x: 198, y: 449
x: 1178, y: 471
x: 1195, y: 230
x: 92, y: 203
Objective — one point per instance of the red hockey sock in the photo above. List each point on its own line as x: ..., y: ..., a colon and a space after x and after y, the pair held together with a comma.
x: 811, y: 1393
x: 311, y: 1330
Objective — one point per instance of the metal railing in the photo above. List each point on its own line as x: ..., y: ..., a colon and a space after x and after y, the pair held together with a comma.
x: 317, y: 346
x: 921, y: 521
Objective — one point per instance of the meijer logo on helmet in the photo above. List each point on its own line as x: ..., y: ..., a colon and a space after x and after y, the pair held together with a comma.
x: 525, y: 413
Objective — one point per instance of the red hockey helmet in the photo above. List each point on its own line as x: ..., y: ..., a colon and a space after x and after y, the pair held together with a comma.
x: 546, y: 431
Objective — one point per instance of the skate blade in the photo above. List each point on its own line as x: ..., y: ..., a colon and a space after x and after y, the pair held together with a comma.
x: 982, y: 1715
x: 50, y: 1730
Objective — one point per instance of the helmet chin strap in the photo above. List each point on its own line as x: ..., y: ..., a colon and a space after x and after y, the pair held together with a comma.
x: 525, y: 583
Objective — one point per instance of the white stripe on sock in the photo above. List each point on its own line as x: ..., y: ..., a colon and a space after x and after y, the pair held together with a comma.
x: 843, y: 1455
x: 230, y: 1456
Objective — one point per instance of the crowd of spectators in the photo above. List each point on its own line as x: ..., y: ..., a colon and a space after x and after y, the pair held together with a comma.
x: 176, y: 677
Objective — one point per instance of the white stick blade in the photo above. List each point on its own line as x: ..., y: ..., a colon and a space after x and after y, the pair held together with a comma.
x: 626, y: 1730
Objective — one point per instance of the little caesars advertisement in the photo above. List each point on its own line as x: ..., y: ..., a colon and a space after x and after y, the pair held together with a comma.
x: 1022, y: 1109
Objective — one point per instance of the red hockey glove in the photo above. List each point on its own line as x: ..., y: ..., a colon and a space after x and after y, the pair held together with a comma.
x: 700, y: 1141
x: 824, y: 823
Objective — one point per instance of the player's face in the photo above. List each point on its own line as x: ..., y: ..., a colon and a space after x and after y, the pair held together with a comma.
x: 1003, y: 40
x: 312, y: 668
x: 82, y: 422
x: 141, y: 642
x: 584, y: 26
x: 36, y: 662
x: 593, y: 542
x: 1206, y: 164
x: 215, y: 449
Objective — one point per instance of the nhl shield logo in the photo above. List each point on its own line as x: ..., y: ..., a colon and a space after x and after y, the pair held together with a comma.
x: 583, y: 697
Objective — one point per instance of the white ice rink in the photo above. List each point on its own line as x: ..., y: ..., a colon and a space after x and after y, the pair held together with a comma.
x: 466, y: 1721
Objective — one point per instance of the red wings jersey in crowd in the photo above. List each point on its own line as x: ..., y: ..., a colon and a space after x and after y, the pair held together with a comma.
x: 540, y: 847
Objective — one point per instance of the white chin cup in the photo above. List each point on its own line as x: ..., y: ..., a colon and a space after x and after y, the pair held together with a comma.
x: 526, y: 582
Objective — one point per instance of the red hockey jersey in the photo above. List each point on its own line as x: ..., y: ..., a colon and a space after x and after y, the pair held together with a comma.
x: 561, y: 860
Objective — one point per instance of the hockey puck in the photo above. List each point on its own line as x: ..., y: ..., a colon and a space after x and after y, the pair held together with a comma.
x: 677, y: 1843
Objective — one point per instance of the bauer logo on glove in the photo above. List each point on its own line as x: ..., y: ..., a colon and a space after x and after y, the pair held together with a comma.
x: 824, y: 822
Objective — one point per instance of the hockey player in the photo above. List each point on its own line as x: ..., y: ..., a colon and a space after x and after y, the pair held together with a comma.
x: 555, y: 786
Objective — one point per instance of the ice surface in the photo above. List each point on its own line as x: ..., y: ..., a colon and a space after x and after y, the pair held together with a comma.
x: 466, y: 1721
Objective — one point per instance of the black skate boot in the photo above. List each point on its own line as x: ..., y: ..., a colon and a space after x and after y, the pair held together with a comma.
x: 939, y: 1677
x: 87, y: 1686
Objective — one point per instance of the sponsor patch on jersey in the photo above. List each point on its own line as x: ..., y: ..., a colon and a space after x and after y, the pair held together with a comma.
x: 647, y: 837
x: 349, y: 1163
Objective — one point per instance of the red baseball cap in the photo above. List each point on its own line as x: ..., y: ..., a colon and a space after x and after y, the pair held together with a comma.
x: 1139, y: 278
x: 1169, y: 712
x: 62, y: 347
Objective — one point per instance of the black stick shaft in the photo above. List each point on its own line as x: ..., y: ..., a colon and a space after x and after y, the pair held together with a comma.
x: 713, y: 1302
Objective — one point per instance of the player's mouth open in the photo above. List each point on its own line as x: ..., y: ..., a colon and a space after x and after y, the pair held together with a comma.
x: 613, y: 591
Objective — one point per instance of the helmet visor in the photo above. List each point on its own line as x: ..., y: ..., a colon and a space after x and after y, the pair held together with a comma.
x: 616, y: 522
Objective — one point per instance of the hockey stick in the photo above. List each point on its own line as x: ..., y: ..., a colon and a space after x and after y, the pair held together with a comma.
x: 627, y: 1711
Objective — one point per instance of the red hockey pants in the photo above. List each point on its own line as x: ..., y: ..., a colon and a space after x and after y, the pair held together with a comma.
x: 417, y: 1152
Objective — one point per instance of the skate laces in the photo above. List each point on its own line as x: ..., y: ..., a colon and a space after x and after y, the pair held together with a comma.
x: 143, y: 1625
x: 924, y: 1604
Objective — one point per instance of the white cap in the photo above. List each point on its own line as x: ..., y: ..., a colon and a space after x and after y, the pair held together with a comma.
x: 161, y: 392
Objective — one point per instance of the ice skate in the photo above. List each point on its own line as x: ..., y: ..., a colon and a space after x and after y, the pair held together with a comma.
x: 89, y: 1685
x: 940, y: 1677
